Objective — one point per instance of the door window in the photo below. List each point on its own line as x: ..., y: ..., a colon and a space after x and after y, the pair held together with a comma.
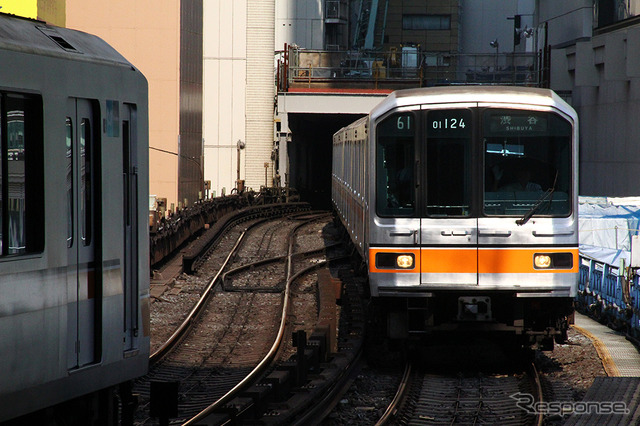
x: 448, y: 167
x: 70, y: 188
x: 85, y: 181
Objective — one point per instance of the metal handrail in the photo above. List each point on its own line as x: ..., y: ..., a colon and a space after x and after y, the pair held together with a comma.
x: 429, y: 68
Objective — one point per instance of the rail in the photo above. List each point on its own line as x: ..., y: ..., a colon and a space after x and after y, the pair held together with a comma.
x: 401, y: 394
x: 610, y: 296
x: 275, y: 348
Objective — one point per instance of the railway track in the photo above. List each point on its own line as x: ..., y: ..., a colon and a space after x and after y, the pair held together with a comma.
x: 245, y: 281
x: 425, y: 397
x: 233, y: 359
x: 231, y: 336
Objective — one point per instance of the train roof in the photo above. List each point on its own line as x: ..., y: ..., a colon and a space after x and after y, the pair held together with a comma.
x: 36, y: 37
x: 465, y: 94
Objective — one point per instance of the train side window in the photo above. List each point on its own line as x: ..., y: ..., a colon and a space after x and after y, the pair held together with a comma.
x: 22, y: 172
x: 395, y: 162
x: 69, y: 165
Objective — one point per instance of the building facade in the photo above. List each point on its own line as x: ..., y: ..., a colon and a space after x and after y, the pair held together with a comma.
x: 225, y: 76
x: 164, y: 40
x: 596, y: 63
x: 51, y: 11
x: 239, y: 91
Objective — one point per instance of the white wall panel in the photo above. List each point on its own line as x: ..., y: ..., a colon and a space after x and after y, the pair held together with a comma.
x: 225, y: 62
x: 226, y: 30
x: 238, y: 28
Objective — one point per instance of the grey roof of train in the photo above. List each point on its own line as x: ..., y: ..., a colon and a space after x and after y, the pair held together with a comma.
x: 465, y: 94
x: 31, y: 36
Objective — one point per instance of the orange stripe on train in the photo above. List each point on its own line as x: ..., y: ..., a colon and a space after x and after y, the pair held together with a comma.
x: 510, y: 260
x: 444, y: 261
x: 472, y: 260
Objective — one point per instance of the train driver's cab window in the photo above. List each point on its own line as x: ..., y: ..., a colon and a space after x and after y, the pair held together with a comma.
x: 395, y: 162
x: 21, y: 175
x: 527, y: 163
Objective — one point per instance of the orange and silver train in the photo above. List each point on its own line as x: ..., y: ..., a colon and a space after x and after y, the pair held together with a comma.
x: 462, y: 201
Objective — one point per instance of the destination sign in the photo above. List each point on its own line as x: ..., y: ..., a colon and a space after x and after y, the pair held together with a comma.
x: 512, y: 122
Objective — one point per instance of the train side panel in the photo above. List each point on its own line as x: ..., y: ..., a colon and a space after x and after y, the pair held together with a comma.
x: 72, y: 322
x: 350, y: 186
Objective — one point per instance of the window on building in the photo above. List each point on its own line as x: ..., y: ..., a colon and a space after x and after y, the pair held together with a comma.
x: 608, y: 12
x: 21, y: 174
x: 426, y: 22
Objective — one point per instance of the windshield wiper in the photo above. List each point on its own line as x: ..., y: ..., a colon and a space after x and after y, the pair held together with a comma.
x: 538, y: 203
x: 535, y: 207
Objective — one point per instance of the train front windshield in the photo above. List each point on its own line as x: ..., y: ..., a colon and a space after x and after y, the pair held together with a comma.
x: 519, y: 164
x: 527, y: 163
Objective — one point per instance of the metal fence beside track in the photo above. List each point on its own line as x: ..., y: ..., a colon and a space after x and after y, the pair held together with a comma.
x: 611, y: 297
x: 168, y: 234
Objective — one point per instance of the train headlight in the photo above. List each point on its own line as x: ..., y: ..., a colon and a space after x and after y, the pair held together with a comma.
x: 404, y: 261
x: 553, y: 260
x: 390, y: 260
x: 542, y: 261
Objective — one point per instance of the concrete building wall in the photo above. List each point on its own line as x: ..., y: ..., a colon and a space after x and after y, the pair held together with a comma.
x: 600, y: 70
x: 299, y: 22
x: 606, y: 94
x: 52, y: 11
x: 484, y: 21
x: 429, y: 40
x: 225, y: 79
x: 568, y: 21
x: 49, y: 11
x: 148, y: 35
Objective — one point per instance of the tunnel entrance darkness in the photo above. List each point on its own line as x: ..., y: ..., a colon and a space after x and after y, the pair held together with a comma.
x: 310, y: 154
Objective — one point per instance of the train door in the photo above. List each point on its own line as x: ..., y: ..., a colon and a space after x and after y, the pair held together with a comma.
x: 130, y: 218
x: 448, y: 228
x: 82, y: 214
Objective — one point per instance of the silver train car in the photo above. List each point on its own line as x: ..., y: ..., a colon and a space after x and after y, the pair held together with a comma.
x: 462, y: 202
x: 74, y: 268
